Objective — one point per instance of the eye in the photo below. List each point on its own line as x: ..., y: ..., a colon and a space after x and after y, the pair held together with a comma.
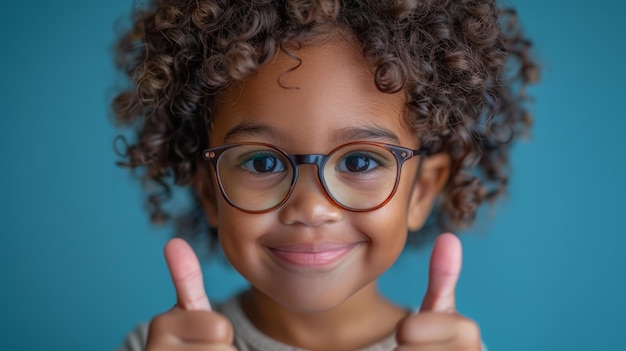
x: 358, y: 162
x: 262, y: 162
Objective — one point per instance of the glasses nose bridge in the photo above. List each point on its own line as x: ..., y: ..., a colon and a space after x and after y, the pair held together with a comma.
x: 310, y: 159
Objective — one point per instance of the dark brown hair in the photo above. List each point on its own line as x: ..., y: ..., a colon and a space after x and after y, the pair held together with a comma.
x: 463, y: 64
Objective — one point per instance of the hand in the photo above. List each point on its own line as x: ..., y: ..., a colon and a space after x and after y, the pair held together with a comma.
x: 438, y: 326
x: 190, y: 324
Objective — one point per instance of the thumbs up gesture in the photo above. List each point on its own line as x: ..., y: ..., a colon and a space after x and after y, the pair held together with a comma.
x: 190, y: 324
x: 438, y: 326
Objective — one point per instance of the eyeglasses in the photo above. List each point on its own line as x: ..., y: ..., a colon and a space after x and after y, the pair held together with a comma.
x: 358, y: 176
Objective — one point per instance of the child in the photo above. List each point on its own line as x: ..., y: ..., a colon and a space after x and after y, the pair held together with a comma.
x: 315, y: 136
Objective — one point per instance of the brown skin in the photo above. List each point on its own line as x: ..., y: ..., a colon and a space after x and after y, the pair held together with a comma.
x: 335, y: 92
x: 190, y: 324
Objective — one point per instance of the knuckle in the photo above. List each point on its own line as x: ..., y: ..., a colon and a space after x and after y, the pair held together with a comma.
x: 188, y: 276
x: 469, y: 332
x: 203, y: 327
x: 409, y: 329
x: 404, y: 326
x: 160, y: 323
x: 221, y: 327
x: 159, y: 332
x: 215, y: 326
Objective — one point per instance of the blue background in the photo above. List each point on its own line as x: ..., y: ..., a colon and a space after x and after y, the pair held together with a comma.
x: 80, y: 265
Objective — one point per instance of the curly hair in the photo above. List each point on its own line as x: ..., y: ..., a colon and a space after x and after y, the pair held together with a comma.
x: 464, y: 65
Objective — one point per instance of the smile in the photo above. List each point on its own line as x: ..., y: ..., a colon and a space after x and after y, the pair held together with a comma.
x: 312, y: 255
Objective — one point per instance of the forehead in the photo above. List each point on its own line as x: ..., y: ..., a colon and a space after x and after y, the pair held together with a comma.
x: 315, y: 95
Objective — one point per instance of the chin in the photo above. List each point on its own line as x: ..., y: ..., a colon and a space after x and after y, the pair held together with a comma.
x: 310, y: 297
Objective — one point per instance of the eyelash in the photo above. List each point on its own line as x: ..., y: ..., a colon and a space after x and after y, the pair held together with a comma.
x: 251, y: 156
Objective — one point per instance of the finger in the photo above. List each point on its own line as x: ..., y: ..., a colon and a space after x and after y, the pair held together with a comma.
x: 186, y: 275
x: 200, y: 347
x: 445, y: 268
x: 438, y: 331
x: 189, y: 328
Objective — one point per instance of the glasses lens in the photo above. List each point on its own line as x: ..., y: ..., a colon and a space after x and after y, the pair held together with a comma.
x: 254, y: 177
x: 361, y: 176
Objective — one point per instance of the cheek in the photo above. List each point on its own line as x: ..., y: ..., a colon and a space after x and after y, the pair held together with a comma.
x: 239, y: 232
x: 387, y: 226
x: 387, y: 230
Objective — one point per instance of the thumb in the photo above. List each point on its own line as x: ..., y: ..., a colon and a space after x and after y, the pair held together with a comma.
x: 445, y: 268
x: 186, y: 275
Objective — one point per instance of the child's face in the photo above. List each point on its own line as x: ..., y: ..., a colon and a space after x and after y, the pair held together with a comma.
x: 310, y: 254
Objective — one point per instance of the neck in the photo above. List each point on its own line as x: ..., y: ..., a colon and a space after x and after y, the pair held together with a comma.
x: 363, y: 319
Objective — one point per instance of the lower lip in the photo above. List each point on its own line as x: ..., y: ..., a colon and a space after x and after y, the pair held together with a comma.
x: 313, y: 259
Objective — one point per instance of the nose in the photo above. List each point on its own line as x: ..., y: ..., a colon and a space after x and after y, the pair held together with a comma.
x: 309, y: 204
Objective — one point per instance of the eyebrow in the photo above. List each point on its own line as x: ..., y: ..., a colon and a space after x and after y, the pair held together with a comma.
x: 247, y: 130
x: 367, y: 133
x: 251, y: 129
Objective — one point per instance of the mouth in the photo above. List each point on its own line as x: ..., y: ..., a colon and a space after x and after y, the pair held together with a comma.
x: 312, y: 255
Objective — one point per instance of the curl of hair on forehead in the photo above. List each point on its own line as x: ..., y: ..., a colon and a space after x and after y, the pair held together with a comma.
x: 464, y: 66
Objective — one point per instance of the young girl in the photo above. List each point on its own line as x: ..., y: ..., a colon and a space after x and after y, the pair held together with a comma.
x: 317, y: 137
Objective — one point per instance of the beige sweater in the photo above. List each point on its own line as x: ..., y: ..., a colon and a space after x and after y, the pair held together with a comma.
x: 247, y: 337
